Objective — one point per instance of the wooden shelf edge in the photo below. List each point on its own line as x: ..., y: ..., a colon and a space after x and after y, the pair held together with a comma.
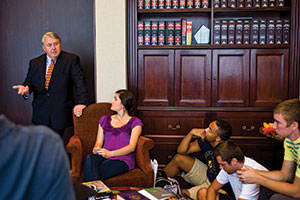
x: 229, y: 46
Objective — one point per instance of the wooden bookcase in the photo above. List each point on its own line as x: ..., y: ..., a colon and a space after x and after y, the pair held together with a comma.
x: 181, y: 87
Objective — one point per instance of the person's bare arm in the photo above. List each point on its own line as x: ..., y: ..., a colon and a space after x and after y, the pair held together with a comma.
x: 212, y: 191
x: 186, y: 146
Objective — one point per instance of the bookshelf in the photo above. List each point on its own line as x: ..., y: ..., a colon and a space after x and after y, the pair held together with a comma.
x: 179, y: 87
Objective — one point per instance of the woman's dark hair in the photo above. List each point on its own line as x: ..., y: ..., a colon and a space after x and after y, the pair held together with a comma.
x: 127, y: 99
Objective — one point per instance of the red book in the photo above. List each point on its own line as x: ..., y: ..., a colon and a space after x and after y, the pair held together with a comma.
x: 161, y: 33
x: 181, y: 3
x: 170, y: 33
x: 147, y: 33
x: 175, y: 4
x: 183, y: 33
x: 140, y: 4
x: 189, y: 3
x: 205, y: 3
x: 161, y: 4
x: 147, y: 4
x: 154, y: 33
x: 168, y: 4
x: 197, y: 4
x: 154, y: 4
x: 189, y: 32
x: 140, y: 33
x: 178, y: 33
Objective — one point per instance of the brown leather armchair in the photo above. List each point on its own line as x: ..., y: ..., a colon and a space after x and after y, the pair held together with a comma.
x: 82, y: 143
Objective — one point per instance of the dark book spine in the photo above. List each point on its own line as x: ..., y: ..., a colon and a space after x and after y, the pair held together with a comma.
x: 140, y: 33
x: 205, y: 3
x: 147, y: 33
x: 256, y: 3
x: 197, y: 4
x: 223, y: 3
x: 279, y: 3
x: 239, y: 32
x: 216, y: 3
x: 161, y: 4
x: 147, y: 4
x: 231, y: 32
x: 246, y: 32
x: 170, y: 33
x: 189, y: 3
x: 271, y: 31
x: 217, y: 31
x: 272, y: 3
x: 175, y: 4
x: 224, y: 29
x: 254, y: 32
x: 286, y: 32
x: 262, y: 32
x: 182, y: 3
x: 248, y: 3
x: 264, y: 3
x: 154, y: 33
x: 178, y: 33
x: 168, y: 4
x: 140, y: 4
x: 241, y: 3
x: 231, y: 3
x: 183, y: 32
x: 154, y: 4
x: 278, y: 32
x: 161, y: 33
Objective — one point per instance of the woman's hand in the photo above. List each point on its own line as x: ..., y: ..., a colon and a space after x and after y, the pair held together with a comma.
x: 102, y: 152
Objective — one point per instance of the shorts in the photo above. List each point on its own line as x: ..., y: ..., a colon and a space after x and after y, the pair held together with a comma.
x: 198, y: 177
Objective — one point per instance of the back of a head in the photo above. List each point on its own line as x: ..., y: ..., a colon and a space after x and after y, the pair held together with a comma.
x: 229, y: 150
x: 290, y: 111
x: 224, y: 130
x: 127, y: 99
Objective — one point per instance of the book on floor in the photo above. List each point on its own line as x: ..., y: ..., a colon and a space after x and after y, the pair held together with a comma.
x: 98, y: 186
x: 156, y: 193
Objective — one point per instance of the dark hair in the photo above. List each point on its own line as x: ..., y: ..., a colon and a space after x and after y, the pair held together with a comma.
x: 290, y: 111
x: 127, y: 99
x: 224, y: 130
x: 228, y: 150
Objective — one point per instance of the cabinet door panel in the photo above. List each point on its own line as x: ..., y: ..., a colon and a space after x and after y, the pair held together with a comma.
x: 155, y: 77
x: 174, y: 124
x: 192, y: 77
x: 230, y: 77
x: 269, y: 77
x: 245, y: 124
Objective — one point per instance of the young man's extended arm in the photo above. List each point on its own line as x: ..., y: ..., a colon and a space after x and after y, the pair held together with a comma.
x: 186, y: 146
x: 212, y: 191
x: 274, y: 180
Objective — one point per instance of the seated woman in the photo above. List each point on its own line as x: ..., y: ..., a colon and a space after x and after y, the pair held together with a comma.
x: 114, y: 150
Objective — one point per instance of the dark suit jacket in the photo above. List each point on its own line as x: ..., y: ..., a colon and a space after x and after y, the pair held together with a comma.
x: 54, y: 107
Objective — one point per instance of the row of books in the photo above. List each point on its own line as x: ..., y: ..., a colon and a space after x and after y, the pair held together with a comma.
x: 172, y: 4
x: 248, y: 3
x: 182, y: 4
x: 164, y: 32
x: 271, y: 31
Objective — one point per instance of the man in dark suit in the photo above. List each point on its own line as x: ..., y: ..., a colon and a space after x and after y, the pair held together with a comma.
x: 51, y: 78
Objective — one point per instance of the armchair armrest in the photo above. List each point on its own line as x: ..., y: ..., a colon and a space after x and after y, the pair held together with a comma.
x: 74, y: 147
x: 142, y: 154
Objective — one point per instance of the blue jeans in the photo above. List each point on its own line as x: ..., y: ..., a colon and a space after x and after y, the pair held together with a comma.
x: 98, y: 168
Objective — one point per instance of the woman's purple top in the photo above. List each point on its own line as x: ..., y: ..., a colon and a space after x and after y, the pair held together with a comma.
x: 117, y: 138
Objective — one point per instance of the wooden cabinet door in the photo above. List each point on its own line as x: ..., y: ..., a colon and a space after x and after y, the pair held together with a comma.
x: 269, y: 77
x: 192, y: 77
x: 230, y: 84
x: 156, y: 77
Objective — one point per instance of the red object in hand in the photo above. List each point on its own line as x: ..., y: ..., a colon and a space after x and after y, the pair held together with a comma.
x: 269, y: 130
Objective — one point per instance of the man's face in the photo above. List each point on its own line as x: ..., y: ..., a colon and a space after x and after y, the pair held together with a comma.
x: 280, y: 126
x: 52, y: 47
x: 229, y: 168
x: 211, y: 132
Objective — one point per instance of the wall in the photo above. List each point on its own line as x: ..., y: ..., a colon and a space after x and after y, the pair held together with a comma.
x: 110, y: 48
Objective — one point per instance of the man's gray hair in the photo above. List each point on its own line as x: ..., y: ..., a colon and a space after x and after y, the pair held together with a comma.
x: 50, y: 34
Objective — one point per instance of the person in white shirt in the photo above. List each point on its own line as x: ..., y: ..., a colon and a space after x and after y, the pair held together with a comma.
x: 231, y: 158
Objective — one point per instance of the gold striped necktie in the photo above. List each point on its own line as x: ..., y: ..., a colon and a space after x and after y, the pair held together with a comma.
x: 49, y: 73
